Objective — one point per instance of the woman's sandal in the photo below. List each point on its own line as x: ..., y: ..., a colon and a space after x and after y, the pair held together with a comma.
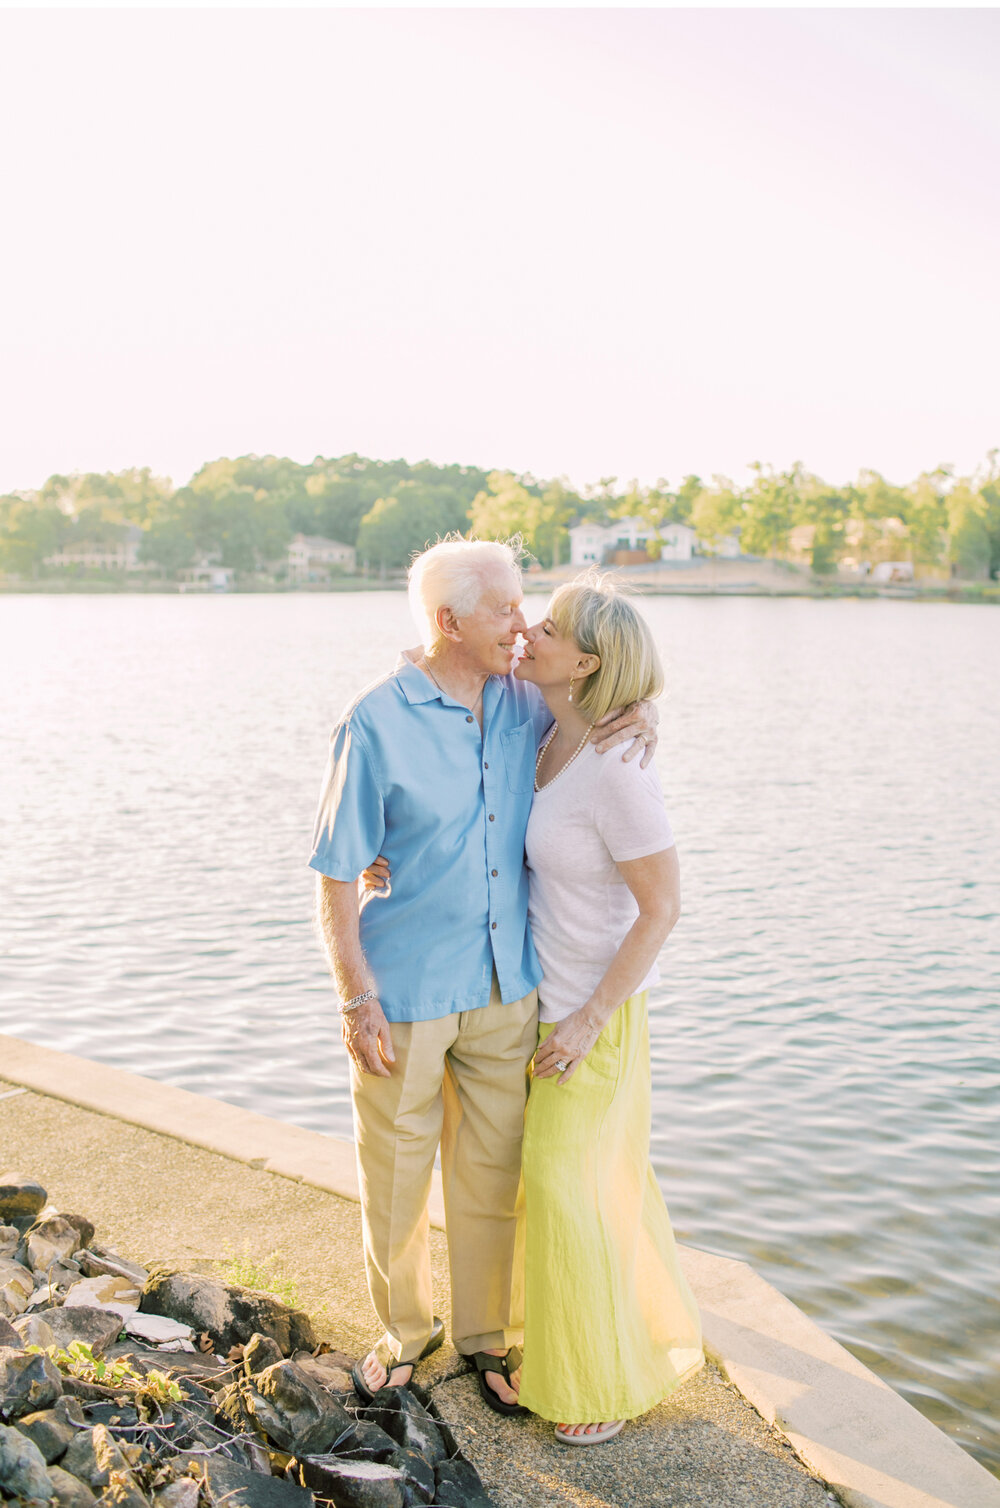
x: 389, y: 1363
x: 483, y: 1363
x: 596, y: 1437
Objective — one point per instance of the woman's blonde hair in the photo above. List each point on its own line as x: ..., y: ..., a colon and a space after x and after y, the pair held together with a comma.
x: 602, y: 621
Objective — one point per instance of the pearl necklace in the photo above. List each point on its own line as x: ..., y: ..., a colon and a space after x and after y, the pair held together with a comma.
x: 541, y: 753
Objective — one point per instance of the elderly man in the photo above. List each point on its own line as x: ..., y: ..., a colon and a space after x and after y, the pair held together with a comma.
x: 433, y: 767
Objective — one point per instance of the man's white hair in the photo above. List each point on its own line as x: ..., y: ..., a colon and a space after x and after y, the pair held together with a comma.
x: 454, y: 573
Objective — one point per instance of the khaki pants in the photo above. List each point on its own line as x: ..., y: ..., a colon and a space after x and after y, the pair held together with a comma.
x: 458, y: 1082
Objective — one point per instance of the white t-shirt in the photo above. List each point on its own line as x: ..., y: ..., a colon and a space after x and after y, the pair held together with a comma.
x: 597, y: 812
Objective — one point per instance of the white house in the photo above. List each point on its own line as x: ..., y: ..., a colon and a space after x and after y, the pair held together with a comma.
x: 115, y: 555
x: 889, y: 571
x: 587, y: 543
x: 728, y: 547
x: 207, y: 575
x: 590, y: 543
x: 310, y: 557
x: 679, y: 542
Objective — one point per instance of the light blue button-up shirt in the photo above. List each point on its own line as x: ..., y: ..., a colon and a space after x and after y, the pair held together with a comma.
x: 411, y: 777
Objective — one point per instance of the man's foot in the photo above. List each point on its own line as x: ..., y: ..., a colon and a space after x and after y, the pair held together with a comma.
x: 496, y: 1383
x: 376, y: 1376
x: 380, y: 1368
x: 589, y: 1434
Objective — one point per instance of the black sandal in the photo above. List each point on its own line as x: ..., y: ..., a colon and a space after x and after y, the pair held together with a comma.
x: 483, y: 1363
x: 389, y: 1363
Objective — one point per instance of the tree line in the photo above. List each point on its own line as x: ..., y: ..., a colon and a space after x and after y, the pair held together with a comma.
x: 243, y: 513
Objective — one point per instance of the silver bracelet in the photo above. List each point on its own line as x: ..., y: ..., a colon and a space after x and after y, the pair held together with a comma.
x: 350, y: 1005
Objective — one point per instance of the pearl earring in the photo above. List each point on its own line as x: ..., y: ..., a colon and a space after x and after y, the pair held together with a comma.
x: 571, y: 680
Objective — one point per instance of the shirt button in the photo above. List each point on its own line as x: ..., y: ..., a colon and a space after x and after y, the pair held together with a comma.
x: 469, y: 718
x: 493, y: 872
x: 492, y: 818
x: 486, y: 764
x: 494, y: 926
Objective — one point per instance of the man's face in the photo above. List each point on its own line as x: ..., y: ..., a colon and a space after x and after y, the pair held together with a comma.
x: 489, y: 633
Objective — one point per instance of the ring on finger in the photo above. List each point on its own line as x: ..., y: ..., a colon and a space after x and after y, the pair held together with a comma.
x: 562, y: 1064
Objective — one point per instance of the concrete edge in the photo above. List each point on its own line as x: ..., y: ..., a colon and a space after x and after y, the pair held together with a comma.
x: 848, y: 1426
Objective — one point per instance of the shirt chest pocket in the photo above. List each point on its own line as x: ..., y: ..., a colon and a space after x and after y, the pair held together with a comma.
x: 519, y: 757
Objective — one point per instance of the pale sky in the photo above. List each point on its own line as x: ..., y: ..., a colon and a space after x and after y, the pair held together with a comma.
x: 580, y: 242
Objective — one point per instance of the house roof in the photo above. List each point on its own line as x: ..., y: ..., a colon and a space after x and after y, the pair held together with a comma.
x: 319, y: 542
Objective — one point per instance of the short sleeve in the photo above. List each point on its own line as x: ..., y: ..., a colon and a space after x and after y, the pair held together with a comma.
x: 350, y: 823
x: 629, y: 812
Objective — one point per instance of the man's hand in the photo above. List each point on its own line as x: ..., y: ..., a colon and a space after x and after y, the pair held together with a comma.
x: 637, y: 723
x: 368, y: 1040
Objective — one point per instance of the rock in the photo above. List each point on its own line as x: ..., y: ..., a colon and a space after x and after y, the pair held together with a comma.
x: 61, y: 1275
x: 354, y: 1484
x: 123, y: 1491
x: 229, y: 1314
x: 408, y: 1422
x: 90, y: 1392
x: 260, y: 1352
x: 208, y: 1368
x: 366, y: 1442
x: 182, y: 1494
x: 96, y: 1328
x: 242, y: 1488
x: 22, y: 1468
x: 51, y: 1241
x: 95, y: 1454
x: 84, y: 1228
x: 294, y: 1412
x: 17, y: 1284
x: 27, y: 1383
x: 158, y: 1328
x: 419, y: 1476
x: 458, y: 1485
x: 21, y: 1198
x: 105, y: 1292
x: 234, y: 1411
x: 69, y: 1491
x: 97, y: 1261
x: 32, y: 1330
x: 120, y: 1420
x: 332, y: 1371
x: 10, y: 1240
x: 53, y: 1429
x: 8, y: 1335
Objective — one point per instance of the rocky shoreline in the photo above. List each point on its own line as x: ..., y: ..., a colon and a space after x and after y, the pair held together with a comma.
x: 135, y: 1387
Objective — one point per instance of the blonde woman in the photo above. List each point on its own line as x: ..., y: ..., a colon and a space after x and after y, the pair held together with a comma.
x: 610, y: 1323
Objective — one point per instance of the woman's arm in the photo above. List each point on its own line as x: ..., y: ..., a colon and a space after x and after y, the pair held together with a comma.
x: 655, y: 882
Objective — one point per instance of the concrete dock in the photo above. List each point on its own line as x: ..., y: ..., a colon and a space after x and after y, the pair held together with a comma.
x: 782, y: 1417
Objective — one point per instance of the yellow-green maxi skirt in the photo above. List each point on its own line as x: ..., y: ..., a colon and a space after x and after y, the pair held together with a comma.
x: 610, y: 1326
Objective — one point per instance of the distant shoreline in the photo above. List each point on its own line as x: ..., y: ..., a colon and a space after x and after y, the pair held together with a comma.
x: 950, y: 591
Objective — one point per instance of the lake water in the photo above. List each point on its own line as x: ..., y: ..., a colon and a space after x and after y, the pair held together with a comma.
x: 826, y: 1099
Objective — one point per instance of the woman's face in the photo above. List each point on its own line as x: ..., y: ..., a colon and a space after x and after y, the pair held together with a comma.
x: 549, y: 658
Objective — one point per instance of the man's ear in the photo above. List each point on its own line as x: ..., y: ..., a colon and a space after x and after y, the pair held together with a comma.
x: 447, y: 624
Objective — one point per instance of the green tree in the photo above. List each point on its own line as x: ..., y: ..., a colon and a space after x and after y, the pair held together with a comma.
x: 771, y: 506
x: 398, y: 527
x: 503, y: 508
x: 168, y: 545
x: 715, y: 512
x: 926, y: 515
x: 29, y: 530
x: 989, y: 491
x: 969, y: 544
